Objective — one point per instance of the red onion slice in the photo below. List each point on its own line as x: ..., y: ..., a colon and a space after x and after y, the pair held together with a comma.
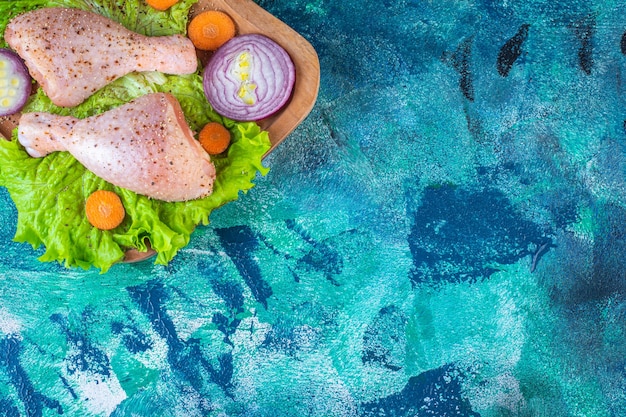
x: 250, y: 77
x: 15, y: 82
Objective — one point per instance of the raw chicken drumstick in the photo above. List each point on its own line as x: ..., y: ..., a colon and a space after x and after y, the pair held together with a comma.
x: 72, y: 53
x: 145, y: 146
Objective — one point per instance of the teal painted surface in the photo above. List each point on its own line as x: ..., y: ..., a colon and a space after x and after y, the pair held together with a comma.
x: 443, y: 236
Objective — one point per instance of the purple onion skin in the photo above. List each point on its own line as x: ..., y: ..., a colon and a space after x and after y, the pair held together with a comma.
x: 13, y: 70
x: 270, y: 82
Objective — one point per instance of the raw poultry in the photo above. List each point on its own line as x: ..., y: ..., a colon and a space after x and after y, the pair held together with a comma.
x: 145, y: 146
x: 72, y: 53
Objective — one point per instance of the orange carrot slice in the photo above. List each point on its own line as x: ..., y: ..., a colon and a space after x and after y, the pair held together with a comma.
x: 161, y: 4
x: 104, y: 210
x: 210, y: 29
x: 214, y: 138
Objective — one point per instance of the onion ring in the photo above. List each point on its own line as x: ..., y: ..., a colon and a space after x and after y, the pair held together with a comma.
x: 249, y: 78
x: 15, y: 83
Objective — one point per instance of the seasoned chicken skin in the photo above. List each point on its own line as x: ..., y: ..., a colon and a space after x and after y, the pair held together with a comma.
x: 73, y: 53
x: 145, y: 146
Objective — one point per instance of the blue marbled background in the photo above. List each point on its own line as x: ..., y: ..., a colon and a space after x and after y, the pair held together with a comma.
x: 444, y: 235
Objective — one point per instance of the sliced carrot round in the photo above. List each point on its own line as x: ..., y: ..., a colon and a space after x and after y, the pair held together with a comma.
x: 210, y: 29
x: 104, y: 210
x: 161, y: 4
x: 214, y: 138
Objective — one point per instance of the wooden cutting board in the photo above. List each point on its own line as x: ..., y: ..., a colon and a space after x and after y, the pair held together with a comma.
x: 251, y: 18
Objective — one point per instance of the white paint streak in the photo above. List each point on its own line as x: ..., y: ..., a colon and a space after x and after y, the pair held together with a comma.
x: 9, y: 325
x: 156, y: 356
x: 503, y: 391
x: 202, y: 252
x: 510, y: 325
x: 101, y: 395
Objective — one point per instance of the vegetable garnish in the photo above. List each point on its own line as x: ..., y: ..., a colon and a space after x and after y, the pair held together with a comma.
x: 214, y: 138
x: 249, y: 78
x: 48, y: 192
x: 104, y: 210
x: 15, y: 83
x: 211, y: 29
x: 161, y: 5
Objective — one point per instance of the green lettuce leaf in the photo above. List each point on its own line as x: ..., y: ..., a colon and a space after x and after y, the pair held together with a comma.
x: 49, y: 192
